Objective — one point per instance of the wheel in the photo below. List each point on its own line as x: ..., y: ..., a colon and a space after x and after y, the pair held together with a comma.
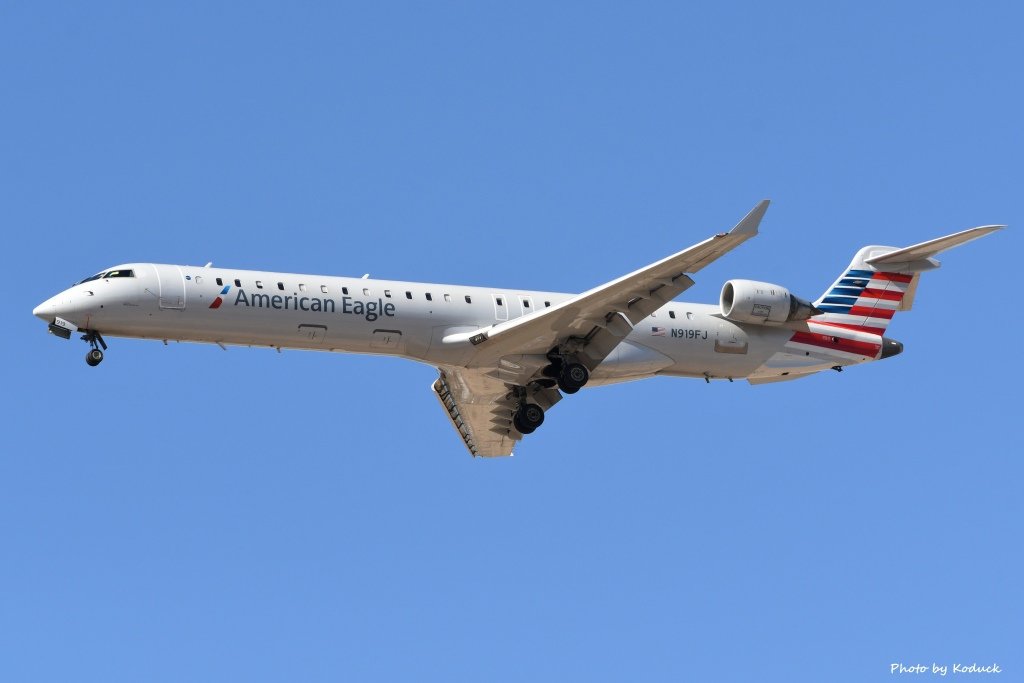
x: 528, y: 418
x: 573, y: 377
x: 517, y: 422
x: 94, y: 357
x: 533, y: 415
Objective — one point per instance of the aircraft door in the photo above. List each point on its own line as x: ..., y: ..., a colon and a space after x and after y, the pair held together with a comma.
x: 500, y: 306
x: 172, y: 287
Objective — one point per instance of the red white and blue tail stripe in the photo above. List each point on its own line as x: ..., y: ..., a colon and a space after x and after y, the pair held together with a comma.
x: 857, y: 309
x: 865, y: 300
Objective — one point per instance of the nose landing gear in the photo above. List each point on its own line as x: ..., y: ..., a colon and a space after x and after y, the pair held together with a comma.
x: 95, y: 355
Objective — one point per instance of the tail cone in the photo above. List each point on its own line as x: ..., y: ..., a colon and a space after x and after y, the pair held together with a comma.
x: 891, y: 347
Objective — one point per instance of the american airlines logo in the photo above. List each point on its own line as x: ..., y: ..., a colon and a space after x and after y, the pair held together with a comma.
x: 370, y: 310
x: 219, y: 300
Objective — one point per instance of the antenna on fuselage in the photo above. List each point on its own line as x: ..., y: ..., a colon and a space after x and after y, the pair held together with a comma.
x: 366, y: 276
x: 208, y: 264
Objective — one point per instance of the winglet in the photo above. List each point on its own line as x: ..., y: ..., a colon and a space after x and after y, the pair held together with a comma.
x: 748, y: 226
x: 926, y: 250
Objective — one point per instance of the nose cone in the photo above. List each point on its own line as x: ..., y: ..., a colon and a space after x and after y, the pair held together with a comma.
x: 62, y: 305
x: 46, y: 311
x: 891, y: 347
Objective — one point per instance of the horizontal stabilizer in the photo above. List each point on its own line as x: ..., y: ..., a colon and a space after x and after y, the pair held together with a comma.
x: 926, y: 250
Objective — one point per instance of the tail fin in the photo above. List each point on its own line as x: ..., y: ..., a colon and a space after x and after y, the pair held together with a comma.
x: 883, y: 280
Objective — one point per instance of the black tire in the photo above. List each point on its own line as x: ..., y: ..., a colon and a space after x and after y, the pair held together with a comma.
x: 573, y: 377
x: 522, y: 428
x: 531, y: 416
x: 94, y: 357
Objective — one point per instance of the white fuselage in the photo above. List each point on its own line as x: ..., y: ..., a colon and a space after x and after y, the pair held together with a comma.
x: 405, y: 319
x: 505, y: 357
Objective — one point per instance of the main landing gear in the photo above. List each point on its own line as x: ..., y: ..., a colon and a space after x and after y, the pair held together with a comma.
x: 573, y: 377
x: 528, y: 418
x: 565, y: 371
x: 570, y: 376
x: 95, y: 355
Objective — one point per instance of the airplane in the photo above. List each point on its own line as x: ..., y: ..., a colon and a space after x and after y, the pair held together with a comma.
x: 506, y: 357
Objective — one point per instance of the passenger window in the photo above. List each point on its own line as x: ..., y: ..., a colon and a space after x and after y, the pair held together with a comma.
x: 220, y: 282
x: 448, y: 298
x: 302, y: 287
x: 366, y: 291
x: 280, y: 285
x: 547, y: 304
x: 323, y: 288
x: 344, y: 290
x: 689, y: 316
x: 259, y: 284
x: 526, y: 303
x: 238, y: 283
x: 387, y: 293
x: 199, y: 279
x: 468, y: 300
x: 429, y: 297
x: 672, y: 314
x: 408, y: 295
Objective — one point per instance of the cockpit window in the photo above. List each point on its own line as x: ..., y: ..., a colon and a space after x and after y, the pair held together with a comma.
x: 123, y: 272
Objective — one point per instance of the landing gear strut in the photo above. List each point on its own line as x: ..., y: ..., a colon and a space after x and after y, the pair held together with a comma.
x: 528, y: 418
x: 95, y: 355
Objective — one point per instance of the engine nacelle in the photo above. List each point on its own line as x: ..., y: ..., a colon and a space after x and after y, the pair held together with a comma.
x: 762, y: 303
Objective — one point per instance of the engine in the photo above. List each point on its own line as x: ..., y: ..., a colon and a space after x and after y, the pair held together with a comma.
x: 762, y: 303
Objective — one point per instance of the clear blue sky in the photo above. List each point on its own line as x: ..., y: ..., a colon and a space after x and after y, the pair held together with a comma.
x: 185, y: 513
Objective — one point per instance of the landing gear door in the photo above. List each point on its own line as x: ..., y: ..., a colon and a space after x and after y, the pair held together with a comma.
x: 172, y: 287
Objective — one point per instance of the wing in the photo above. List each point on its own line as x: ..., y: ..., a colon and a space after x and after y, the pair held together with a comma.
x: 480, y: 408
x: 505, y: 364
x: 591, y: 324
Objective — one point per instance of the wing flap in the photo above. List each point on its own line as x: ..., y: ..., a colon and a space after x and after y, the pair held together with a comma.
x: 480, y: 408
x: 482, y: 427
